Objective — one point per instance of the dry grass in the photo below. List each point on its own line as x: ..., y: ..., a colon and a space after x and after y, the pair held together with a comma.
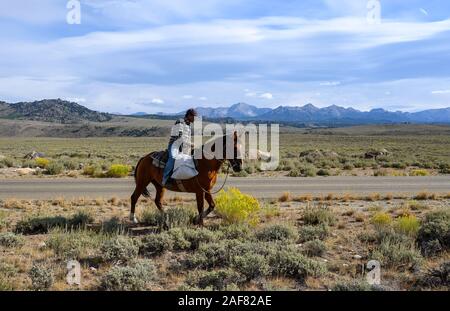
x: 285, y: 197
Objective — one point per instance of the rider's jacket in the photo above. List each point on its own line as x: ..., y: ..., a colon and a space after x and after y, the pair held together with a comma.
x: 181, y: 135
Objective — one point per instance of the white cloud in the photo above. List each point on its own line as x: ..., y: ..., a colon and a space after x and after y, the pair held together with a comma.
x: 330, y: 83
x: 250, y: 94
x: 187, y: 96
x: 203, y: 98
x: 157, y: 101
x: 266, y: 96
x: 425, y: 12
x: 441, y: 92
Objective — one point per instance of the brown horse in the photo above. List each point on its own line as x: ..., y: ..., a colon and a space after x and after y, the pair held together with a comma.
x: 201, y: 184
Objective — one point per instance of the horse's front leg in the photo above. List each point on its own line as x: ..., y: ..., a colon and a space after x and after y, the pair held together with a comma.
x: 200, y: 204
x: 211, y: 204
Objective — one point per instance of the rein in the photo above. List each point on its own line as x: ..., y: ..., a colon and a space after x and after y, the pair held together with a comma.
x: 223, y: 185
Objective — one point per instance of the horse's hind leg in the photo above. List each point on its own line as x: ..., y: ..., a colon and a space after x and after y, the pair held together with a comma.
x: 200, y: 203
x: 211, y: 204
x: 158, y: 201
x: 134, y: 198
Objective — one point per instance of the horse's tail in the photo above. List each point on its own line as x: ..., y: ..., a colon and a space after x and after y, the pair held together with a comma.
x: 145, y: 193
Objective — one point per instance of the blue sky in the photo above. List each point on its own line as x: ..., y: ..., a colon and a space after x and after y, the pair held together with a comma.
x: 168, y: 55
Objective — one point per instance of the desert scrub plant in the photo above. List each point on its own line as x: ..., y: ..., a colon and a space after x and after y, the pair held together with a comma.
x: 319, y: 216
x: 285, y: 197
x: 42, y: 162
x: 9, y: 239
x: 54, y: 168
x: 314, y: 248
x: 93, y: 171
x: 6, y: 162
x: 408, y: 224
x: 199, y: 236
x: 77, y: 244
x: 216, y: 280
x: 114, y: 225
x: 309, y: 233
x: 251, y: 265
x: 289, y: 262
x: 381, y: 220
x: 394, y: 251
x: 323, y: 172
x: 269, y: 211
x: 42, y: 224
x: 277, y: 232
x: 172, y: 217
x: 236, y: 207
x: 155, y: 244
x: 118, y: 170
x: 119, y: 249
x: 135, y: 277
x: 434, y: 234
x: 235, y: 231
x: 41, y: 276
x: 420, y: 172
x: 179, y: 241
x: 352, y: 286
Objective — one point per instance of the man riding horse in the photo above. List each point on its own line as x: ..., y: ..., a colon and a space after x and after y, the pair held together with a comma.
x: 148, y: 169
x: 180, y: 140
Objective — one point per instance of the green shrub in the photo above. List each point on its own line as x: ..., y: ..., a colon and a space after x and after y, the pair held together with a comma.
x: 93, y: 170
x: 6, y: 162
x: 352, y: 286
x: 113, y: 225
x: 216, y: 280
x: 179, y: 240
x: 41, y: 277
x: 135, y: 277
x: 290, y: 263
x: 308, y: 170
x: 319, y: 216
x: 419, y: 173
x: 434, y: 234
x: 74, y: 244
x: 54, y: 168
x: 198, y: 236
x: 295, y: 173
x: 381, y: 220
x: 172, y: 217
x: 309, y: 233
x: 211, y: 255
x: 118, y: 170
x: 236, y: 207
x: 235, y: 231
x: 42, y: 224
x: 251, y: 265
x: 323, y: 172
x: 408, y: 224
x: 277, y: 232
x: 314, y: 248
x: 156, y: 244
x: 9, y: 239
x: 242, y: 173
x: 119, y: 248
x: 394, y: 251
x: 42, y: 162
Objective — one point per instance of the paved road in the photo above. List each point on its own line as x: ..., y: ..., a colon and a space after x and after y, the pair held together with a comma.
x: 266, y: 187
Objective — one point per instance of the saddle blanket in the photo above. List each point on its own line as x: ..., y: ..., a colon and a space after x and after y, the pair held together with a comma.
x: 184, y: 167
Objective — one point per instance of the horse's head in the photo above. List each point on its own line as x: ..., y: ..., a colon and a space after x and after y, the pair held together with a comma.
x: 235, y: 160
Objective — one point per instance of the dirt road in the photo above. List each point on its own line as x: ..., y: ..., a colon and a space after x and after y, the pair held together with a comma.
x: 260, y: 187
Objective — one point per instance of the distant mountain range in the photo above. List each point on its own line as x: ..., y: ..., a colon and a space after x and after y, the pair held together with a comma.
x: 61, y: 111
x: 310, y: 114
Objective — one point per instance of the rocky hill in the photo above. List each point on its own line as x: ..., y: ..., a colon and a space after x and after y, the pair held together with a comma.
x: 51, y: 110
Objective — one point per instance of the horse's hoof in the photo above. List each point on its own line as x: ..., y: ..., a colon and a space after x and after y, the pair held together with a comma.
x: 133, y: 219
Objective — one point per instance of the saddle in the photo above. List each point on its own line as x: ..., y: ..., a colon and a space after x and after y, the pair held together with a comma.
x: 160, y: 158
